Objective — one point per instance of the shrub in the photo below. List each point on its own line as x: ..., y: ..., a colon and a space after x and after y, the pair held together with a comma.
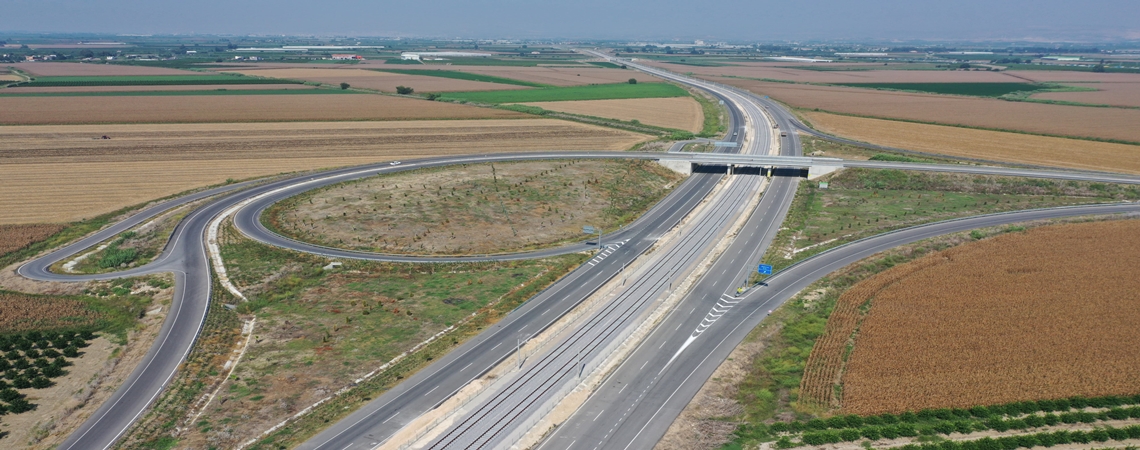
x: 871, y: 433
x: 404, y: 90
x: 633, y: 81
x: 889, y: 431
x: 41, y: 382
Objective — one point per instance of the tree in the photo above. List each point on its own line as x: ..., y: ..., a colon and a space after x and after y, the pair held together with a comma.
x: 633, y: 81
x: 404, y: 90
x: 343, y: 86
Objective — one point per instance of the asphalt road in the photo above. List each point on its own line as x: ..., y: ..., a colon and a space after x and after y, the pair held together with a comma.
x: 185, y: 257
x: 380, y: 419
x: 639, y: 401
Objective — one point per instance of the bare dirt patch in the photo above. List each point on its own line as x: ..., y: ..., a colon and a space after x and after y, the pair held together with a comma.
x: 202, y: 87
x: 230, y: 108
x: 143, y: 162
x: 682, y: 113
x: 1076, y: 121
x: 66, y: 69
x: 998, y: 321
x: 475, y: 209
x: 381, y: 81
x: 981, y: 144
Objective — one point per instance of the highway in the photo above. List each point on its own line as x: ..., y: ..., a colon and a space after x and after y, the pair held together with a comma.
x: 639, y: 401
x: 185, y: 256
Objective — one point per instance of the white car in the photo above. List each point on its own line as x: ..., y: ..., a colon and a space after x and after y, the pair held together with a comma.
x: 394, y: 163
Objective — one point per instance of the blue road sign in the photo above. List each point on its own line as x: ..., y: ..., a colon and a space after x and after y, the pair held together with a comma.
x: 765, y: 269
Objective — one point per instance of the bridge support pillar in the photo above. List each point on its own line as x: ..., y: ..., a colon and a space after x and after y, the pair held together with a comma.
x: 681, y: 167
x: 817, y: 171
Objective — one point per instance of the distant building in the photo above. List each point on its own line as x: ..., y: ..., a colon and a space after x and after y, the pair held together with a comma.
x: 410, y: 56
x: 346, y: 57
x: 417, y: 56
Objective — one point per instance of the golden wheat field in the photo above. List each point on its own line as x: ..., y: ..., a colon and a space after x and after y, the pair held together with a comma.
x: 64, y: 173
x: 981, y: 144
x: 15, y: 237
x: 381, y: 81
x: 1046, y: 313
x: 1076, y: 121
x: 682, y: 113
x: 230, y: 108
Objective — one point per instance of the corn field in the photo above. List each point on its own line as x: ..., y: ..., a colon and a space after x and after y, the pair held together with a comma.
x: 15, y: 237
x: 1042, y: 314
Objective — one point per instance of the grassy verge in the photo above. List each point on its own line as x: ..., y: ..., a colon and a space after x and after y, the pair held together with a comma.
x: 716, y: 120
x: 463, y: 76
x: 157, y: 429
x: 860, y: 203
x: 346, y: 322
x: 514, y: 62
x: 637, y: 127
x: 557, y: 94
x: 134, y: 247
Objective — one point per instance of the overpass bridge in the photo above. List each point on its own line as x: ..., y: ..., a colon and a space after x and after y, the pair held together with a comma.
x: 811, y: 167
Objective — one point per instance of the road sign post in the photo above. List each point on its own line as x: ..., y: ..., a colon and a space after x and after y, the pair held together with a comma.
x: 589, y: 229
x: 764, y: 269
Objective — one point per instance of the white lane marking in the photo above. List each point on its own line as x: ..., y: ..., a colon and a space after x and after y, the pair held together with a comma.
x: 465, y: 367
x: 599, y: 414
x: 391, y: 417
x: 432, y: 390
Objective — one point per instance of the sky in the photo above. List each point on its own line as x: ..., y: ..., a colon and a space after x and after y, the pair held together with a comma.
x: 737, y: 20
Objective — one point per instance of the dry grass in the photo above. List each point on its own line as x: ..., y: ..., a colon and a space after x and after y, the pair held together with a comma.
x: 989, y: 145
x: 66, y: 69
x: 200, y: 87
x: 678, y: 112
x: 381, y: 81
x: 1107, y: 93
x: 560, y: 76
x: 63, y: 173
x: 230, y: 108
x: 15, y: 237
x: 1060, y: 76
x: 476, y: 209
x: 1077, y: 121
x: 1041, y: 314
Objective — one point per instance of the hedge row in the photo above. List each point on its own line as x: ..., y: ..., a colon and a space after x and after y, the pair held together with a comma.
x: 977, y: 412
x: 962, y: 426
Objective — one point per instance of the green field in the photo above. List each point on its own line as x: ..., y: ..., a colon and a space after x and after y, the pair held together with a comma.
x: 180, y: 93
x: 971, y: 89
x: 463, y: 76
x: 152, y: 80
x: 608, y: 65
x: 558, y: 94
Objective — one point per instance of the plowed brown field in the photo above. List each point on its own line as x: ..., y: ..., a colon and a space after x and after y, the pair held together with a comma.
x: 63, y: 173
x: 981, y: 144
x: 230, y: 108
x: 1076, y: 121
x: 682, y: 113
x: 1047, y: 313
x: 781, y: 71
x: 66, y: 69
x: 200, y: 87
x: 381, y: 81
x: 1107, y: 93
